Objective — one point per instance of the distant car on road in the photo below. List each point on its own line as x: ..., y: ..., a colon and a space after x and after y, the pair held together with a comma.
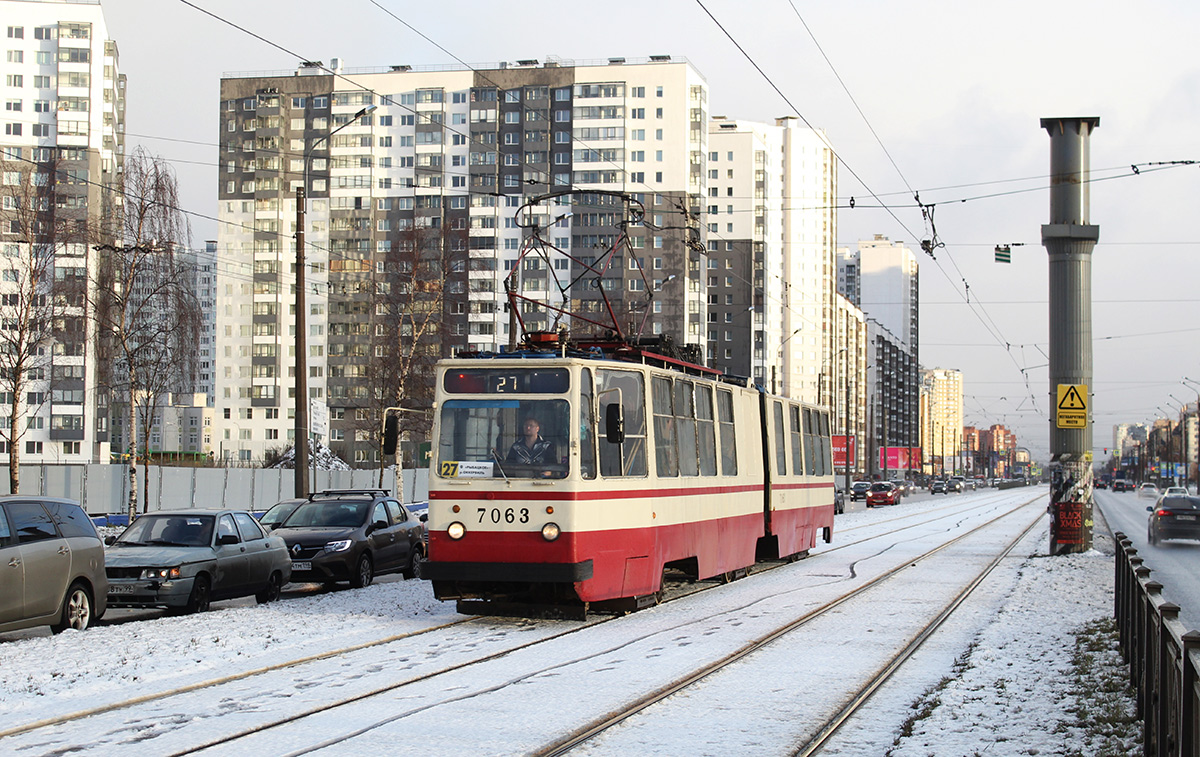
x: 184, y: 559
x: 1148, y: 491
x: 958, y: 483
x: 882, y: 493
x: 937, y: 486
x: 1173, y: 517
x: 859, y: 489
x: 1122, y: 485
x: 1176, y: 491
x: 279, y: 512
x: 51, y: 565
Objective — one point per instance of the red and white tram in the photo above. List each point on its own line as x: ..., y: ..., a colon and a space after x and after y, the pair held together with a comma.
x: 650, y: 463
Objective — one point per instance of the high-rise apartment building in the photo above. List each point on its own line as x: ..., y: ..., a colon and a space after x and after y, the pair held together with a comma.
x: 882, y: 278
x: 941, y: 420
x: 61, y: 151
x: 771, y: 223
x: 414, y: 177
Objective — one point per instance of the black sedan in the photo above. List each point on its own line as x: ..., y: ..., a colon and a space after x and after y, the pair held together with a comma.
x: 937, y: 486
x: 353, y: 536
x: 859, y: 489
x: 1174, y: 517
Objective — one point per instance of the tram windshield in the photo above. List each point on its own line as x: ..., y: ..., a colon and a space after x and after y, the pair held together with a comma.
x: 504, y: 437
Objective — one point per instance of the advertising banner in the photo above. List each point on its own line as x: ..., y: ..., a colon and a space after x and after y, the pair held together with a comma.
x: 839, y: 451
x: 900, y: 458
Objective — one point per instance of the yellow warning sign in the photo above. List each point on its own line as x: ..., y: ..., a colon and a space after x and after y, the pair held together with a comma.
x: 1072, y: 406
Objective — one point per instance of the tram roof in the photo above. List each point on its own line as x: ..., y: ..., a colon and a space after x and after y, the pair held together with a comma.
x: 636, y: 352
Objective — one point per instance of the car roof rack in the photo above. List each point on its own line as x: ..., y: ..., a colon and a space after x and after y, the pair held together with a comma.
x: 331, y: 493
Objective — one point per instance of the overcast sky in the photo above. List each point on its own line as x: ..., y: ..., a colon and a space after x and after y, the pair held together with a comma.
x: 954, y: 92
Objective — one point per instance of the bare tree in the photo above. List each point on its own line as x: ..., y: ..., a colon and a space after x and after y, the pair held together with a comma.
x: 147, y: 310
x: 425, y: 271
x: 33, y: 305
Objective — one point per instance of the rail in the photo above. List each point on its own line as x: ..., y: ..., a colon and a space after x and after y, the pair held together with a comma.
x: 1163, y: 657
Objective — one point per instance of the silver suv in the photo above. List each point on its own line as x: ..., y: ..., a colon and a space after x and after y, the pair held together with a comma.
x: 51, y: 565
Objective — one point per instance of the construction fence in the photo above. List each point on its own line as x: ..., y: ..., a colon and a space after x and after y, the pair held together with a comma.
x: 104, y: 488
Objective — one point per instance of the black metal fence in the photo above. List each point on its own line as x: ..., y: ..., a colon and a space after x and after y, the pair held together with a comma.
x: 1163, y: 658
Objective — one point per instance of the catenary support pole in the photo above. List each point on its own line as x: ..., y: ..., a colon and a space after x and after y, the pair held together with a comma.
x: 1069, y: 239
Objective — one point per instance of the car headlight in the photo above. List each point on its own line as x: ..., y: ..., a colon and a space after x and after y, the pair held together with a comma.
x: 550, y: 531
x: 456, y: 530
x: 160, y: 574
x: 339, y: 546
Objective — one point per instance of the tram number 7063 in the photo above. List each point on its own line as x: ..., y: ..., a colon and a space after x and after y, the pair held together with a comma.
x: 507, y: 515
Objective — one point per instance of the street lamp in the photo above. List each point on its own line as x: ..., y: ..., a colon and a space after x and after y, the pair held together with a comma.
x: 301, y: 378
x: 1182, y: 435
x: 1186, y: 381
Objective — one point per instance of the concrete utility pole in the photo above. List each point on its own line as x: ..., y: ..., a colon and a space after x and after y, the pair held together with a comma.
x: 1069, y: 240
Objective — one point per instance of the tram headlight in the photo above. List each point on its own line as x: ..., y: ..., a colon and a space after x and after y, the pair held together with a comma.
x: 550, y: 531
x: 456, y: 530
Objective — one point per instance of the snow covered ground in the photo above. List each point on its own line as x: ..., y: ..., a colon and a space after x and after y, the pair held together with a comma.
x: 1029, y: 670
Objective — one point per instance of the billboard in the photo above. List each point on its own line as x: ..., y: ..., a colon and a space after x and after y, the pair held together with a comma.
x: 839, y: 451
x: 900, y: 458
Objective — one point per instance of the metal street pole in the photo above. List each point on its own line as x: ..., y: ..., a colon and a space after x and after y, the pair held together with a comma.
x: 1069, y: 239
x: 301, y: 378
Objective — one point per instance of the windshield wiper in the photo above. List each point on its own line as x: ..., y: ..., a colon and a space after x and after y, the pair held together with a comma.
x: 499, y: 467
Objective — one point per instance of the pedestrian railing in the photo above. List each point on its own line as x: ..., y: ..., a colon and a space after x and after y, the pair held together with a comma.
x: 1163, y: 658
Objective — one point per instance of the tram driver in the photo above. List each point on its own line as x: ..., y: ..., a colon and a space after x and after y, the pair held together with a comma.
x: 531, y: 449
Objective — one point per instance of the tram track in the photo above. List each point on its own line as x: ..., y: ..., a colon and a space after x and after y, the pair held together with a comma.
x: 377, y: 691
x: 831, y: 725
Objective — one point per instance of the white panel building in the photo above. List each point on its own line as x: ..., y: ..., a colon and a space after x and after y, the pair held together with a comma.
x: 61, y: 147
x: 771, y: 221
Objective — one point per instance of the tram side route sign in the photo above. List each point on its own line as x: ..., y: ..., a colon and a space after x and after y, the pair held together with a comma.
x: 1072, y: 406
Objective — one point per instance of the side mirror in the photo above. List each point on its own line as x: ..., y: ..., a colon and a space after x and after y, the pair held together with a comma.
x: 424, y: 518
x: 225, y: 539
x: 391, y: 434
x: 378, y: 525
x: 1150, y: 509
x: 110, y: 540
x: 614, y: 424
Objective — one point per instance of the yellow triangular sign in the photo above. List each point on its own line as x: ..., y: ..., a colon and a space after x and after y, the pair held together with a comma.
x: 1071, y: 399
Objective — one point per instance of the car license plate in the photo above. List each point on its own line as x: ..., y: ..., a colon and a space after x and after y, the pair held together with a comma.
x: 127, y: 589
x: 1185, y: 517
x: 302, y: 566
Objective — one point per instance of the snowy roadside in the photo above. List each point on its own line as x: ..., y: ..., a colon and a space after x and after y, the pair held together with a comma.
x: 1039, y: 674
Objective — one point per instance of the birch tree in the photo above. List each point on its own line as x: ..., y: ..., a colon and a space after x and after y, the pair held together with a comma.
x: 147, y: 310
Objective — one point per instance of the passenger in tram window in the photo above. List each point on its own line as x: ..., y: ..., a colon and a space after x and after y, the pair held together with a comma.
x: 532, y: 449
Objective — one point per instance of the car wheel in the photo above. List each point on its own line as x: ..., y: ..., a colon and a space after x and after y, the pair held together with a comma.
x: 363, y: 574
x: 272, y: 590
x: 200, y: 597
x: 414, y: 565
x: 76, y: 610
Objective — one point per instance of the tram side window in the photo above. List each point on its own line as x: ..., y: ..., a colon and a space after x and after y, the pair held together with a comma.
x: 666, y: 456
x: 729, y: 461
x: 826, y: 446
x: 685, y: 428
x: 780, y: 450
x: 821, y: 452
x: 629, y: 389
x: 706, y: 437
x: 812, y: 464
x: 800, y: 455
x: 587, y: 425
